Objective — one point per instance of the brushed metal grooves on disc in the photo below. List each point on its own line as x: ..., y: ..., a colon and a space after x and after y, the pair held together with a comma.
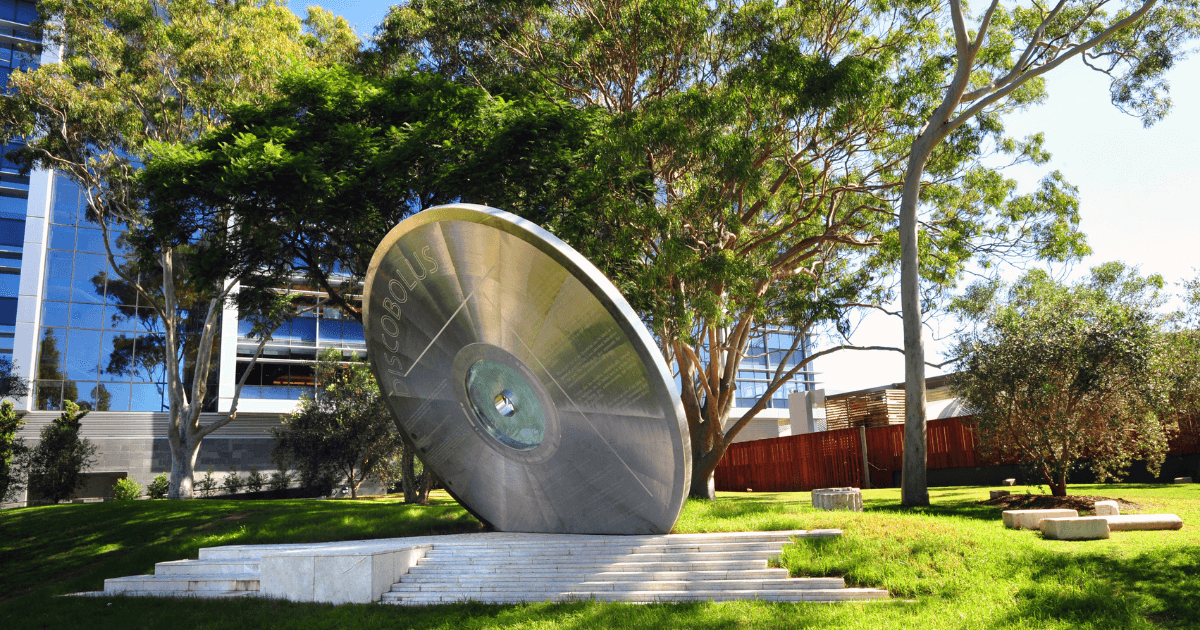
x: 523, y: 377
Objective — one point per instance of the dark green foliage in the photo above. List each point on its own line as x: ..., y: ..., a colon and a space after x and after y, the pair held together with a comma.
x: 255, y: 480
x: 126, y: 490
x: 338, y: 159
x: 57, y: 463
x: 208, y: 484
x: 1061, y: 374
x: 232, y: 484
x: 280, y: 480
x: 157, y: 488
x: 12, y: 452
x: 342, y: 435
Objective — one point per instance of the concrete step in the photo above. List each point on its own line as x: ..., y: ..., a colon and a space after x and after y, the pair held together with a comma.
x: 561, y: 550
x: 206, y: 567
x: 181, y: 585
x: 451, y: 575
x: 459, y: 558
x: 512, y: 597
x: 706, y: 565
x: 590, y: 585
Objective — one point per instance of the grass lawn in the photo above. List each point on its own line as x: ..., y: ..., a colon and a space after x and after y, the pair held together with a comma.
x: 949, y: 566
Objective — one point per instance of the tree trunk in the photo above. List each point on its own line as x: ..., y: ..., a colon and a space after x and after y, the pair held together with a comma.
x: 914, y: 484
x: 1059, y: 488
x: 183, y: 467
x: 424, y: 487
x: 703, y: 467
x: 408, y: 476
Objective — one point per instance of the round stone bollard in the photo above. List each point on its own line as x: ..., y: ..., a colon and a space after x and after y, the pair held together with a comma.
x: 837, y: 499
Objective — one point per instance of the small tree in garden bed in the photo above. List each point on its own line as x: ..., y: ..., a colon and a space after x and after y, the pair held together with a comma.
x: 255, y: 481
x: 57, y: 463
x: 233, y: 483
x: 12, y: 450
x: 1061, y: 374
x: 344, y: 432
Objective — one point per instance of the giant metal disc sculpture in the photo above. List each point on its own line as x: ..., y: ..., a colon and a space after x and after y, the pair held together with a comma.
x: 522, y: 377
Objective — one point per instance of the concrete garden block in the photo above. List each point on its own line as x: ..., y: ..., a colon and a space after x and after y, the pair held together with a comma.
x: 1143, y: 522
x: 837, y: 499
x: 336, y: 578
x: 1183, y: 480
x: 1081, y: 528
x: 996, y: 494
x: 1032, y: 519
x: 1010, y: 482
x: 1107, y: 508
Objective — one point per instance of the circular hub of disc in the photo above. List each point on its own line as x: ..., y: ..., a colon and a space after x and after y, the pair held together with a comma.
x: 505, y: 402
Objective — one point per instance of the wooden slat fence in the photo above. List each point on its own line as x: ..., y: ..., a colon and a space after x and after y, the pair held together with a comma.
x: 831, y: 459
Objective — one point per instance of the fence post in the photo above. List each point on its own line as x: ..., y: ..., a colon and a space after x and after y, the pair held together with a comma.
x: 862, y: 443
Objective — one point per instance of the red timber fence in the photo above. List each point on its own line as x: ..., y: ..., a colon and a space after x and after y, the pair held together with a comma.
x: 831, y: 459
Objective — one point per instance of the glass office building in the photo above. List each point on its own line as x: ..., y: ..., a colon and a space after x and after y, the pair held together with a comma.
x: 766, y: 353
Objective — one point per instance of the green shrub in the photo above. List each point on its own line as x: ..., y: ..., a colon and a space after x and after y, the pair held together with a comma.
x: 158, y: 487
x: 127, y: 490
x: 57, y: 463
x: 280, y: 480
x: 207, y: 485
x: 12, y: 450
x: 233, y: 483
x: 255, y: 481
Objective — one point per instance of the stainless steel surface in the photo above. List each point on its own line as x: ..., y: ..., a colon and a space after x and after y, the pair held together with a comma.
x: 523, y: 378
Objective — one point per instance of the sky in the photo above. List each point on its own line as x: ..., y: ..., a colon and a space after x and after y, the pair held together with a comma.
x: 1139, y: 190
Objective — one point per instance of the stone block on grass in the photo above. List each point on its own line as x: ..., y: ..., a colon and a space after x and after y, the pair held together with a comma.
x: 1143, y: 522
x: 837, y: 499
x: 1080, y: 528
x: 996, y: 494
x: 1183, y: 480
x: 1107, y: 508
x: 1032, y: 519
x: 1010, y: 482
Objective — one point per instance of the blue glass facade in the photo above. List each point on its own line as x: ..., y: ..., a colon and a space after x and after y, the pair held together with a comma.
x: 284, y: 370
x: 763, y: 357
x: 98, y: 344
x: 18, y: 50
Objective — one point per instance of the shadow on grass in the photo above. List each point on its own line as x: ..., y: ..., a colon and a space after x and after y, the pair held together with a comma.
x: 70, y: 548
x: 1161, y: 586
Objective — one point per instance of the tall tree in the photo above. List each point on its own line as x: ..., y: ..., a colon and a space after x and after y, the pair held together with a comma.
x: 999, y: 61
x: 135, y: 74
x: 751, y: 167
x: 1060, y: 375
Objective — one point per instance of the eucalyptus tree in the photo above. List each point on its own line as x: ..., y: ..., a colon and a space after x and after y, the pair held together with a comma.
x: 751, y: 167
x: 133, y: 76
x: 995, y: 63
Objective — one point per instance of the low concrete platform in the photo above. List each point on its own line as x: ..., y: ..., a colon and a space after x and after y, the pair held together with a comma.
x: 499, y: 568
x: 1032, y: 519
x: 1081, y: 528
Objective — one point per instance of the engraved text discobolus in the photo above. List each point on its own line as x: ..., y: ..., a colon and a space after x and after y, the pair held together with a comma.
x: 523, y: 378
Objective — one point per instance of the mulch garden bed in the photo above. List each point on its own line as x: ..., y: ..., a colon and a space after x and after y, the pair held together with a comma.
x: 1049, y: 502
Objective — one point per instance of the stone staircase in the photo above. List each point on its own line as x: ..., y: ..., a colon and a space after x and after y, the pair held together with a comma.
x: 704, y: 567
x: 191, y: 578
x: 499, y: 568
